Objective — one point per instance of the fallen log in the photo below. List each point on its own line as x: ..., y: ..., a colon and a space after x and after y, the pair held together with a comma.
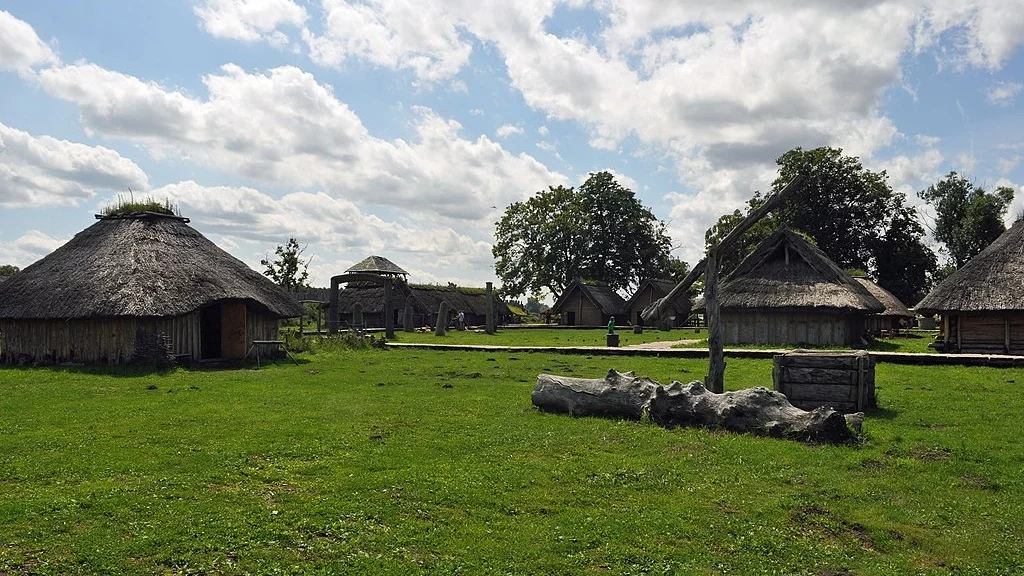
x: 617, y: 395
x: 758, y: 411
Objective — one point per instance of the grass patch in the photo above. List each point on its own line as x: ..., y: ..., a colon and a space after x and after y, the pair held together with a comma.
x: 423, y: 462
x: 566, y: 337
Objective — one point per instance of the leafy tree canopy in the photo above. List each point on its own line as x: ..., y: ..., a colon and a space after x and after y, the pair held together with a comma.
x: 288, y: 269
x: 598, y: 232
x: 8, y: 270
x: 967, y: 218
x: 851, y: 213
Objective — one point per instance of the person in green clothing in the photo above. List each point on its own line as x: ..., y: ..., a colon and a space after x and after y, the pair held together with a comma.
x: 611, y: 325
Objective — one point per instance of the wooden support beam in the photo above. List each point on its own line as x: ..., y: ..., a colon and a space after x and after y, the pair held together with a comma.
x: 389, y: 311
x: 657, y: 308
x: 716, y: 357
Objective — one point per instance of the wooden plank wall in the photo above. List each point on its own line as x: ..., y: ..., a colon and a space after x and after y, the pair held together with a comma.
x: 843, y: 381
x: 991, y: 334
x: 818, y: 329
x: 112, y: 340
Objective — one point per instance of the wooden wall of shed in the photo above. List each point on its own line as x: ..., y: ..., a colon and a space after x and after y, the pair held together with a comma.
x: 842, y: 381
x: 987, y: 333
x: 586, y: 312
x: 112, y: 340
x: 814, y: 328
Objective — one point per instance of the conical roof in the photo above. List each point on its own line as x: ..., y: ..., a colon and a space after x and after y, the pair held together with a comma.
x: 787, y: 272
x: 377, y: 265
x: 893, y: 305
x: 138, y: 265
x: 992, y: 281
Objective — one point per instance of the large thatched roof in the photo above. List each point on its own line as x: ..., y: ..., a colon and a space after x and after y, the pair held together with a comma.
x: 787, y: 272
x: 992, y: 281
x: 606, y: 299
x: 425, y: 299
x: 893, y: 306
x: 378, y: 265
x: 660, y: 289
x: 136, y: 265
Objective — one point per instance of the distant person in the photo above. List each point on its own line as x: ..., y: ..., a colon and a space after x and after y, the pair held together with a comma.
x: 547, y: 316
x: 611, y: 325
x: 461, y: 320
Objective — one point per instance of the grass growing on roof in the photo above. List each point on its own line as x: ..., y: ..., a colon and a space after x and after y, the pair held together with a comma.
x: 421, y: 462
x: 548, y: 336
x: 129, y: 205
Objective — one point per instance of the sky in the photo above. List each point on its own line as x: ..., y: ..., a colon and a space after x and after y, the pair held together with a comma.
x: 404, y: 128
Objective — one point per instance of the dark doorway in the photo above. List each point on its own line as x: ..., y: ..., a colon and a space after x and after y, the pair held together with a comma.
x: 639, y: 318
x: 209, y: 331
x: 570, y: 318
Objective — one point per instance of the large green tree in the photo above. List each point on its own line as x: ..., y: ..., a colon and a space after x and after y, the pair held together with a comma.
x: 288, y: 269
x: 967, y: 218
x: 851, y: 213
x: 598, y: 232
x: 8, y: 270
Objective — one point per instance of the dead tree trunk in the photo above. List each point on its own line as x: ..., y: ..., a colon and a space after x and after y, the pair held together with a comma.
x: 755, y: 410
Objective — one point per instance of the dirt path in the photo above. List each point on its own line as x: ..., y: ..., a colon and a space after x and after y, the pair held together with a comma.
x: 667, y: 345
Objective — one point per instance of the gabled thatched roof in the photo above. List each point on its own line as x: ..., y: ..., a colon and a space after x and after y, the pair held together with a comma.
x: 142, y: 266
x: 661, y: 288
x: 378, y: 265
x: 809, y: 280
x: 425, y: 299
x: 606, y: 299
x: 992, y: 281
x: 893, y: 306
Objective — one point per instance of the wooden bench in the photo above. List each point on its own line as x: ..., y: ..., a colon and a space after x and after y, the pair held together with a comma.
x: 271, y: 345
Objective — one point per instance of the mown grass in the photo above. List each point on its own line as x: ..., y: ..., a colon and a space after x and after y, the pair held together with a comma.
x: 423, y: 462
x: 549, y: 336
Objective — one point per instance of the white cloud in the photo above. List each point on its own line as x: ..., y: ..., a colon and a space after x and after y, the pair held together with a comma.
x: 1006, y: 164
x: 506, y: 130
x: 41, y: 170
x: 306, y: 138
x: 251, y: 20
x: 20, y: 46
x: 29, y: 247
x: 543, y: 130
x: 330, y: 226
x: 1003, y: 93
x: 421, y: 36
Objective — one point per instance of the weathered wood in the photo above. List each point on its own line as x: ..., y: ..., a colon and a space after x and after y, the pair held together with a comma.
x: 490, y: 322
x: 796, y: 392
x: 389, y: 311
x: 441, y: 327
x: 771, y: 202
x: 846, y: 361
x: 661, y: 306
x: 716, y: 354
x: 823, y: 376
x: 847, y: 407
x: 754, y: 410
x: 618, y: 395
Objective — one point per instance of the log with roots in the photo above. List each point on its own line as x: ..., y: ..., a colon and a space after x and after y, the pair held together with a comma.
x: 754, y: 410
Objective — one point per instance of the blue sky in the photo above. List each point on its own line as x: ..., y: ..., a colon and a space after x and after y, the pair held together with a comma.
x: 403, y: 128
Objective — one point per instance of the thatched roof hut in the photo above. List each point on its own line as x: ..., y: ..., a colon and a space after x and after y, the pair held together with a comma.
x: 982, y: 303
x: 650, y: 291
x: 136, y: 285
x: 583, y: 304
x: 787, y: 291
x: 378, y: 265
x: 893, y: 318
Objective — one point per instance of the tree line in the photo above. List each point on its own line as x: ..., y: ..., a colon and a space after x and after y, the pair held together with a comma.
x: 601, y: 232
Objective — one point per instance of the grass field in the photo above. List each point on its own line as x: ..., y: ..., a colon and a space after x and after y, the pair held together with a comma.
x: 550, y: 337
x: 405, y: 462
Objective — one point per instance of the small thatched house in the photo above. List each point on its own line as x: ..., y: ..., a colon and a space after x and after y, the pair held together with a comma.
x: 982, y: 303
x: 789, y: 292
x: 895, y: 317
x: 648, y: 292
x: 134, y: 286
x: 380, y: 266
x: 589, y: 305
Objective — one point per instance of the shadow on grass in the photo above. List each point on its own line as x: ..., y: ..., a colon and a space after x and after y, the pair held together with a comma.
x: 881, y: 413
x: 137, y: 370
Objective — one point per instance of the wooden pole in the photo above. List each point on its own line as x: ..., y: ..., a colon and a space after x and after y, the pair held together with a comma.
x: 332, y: 312
x: 715, y: 381
x: 389, y: 314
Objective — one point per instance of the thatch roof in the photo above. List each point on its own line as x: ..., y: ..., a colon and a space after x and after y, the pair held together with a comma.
x: 144, y: 265
x: 661, y: 288
x: 992, y: 281
x: 787, y: 272
x: 378, y: 265
x: 893, y: 306
x: 606, y: 299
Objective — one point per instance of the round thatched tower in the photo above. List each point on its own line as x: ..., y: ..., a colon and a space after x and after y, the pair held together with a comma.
x: 138, y: 285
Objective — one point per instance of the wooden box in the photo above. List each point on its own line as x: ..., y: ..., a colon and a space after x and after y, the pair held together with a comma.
x: 844, y: 381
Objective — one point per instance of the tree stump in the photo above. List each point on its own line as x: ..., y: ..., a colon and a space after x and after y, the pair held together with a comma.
x: 616, y: 395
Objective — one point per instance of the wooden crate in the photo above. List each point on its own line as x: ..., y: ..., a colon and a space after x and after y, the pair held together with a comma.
x: 844, y: 381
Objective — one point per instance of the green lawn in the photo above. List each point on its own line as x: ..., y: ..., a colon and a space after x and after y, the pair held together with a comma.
x: 427, y: 462
x: 549, y: 337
